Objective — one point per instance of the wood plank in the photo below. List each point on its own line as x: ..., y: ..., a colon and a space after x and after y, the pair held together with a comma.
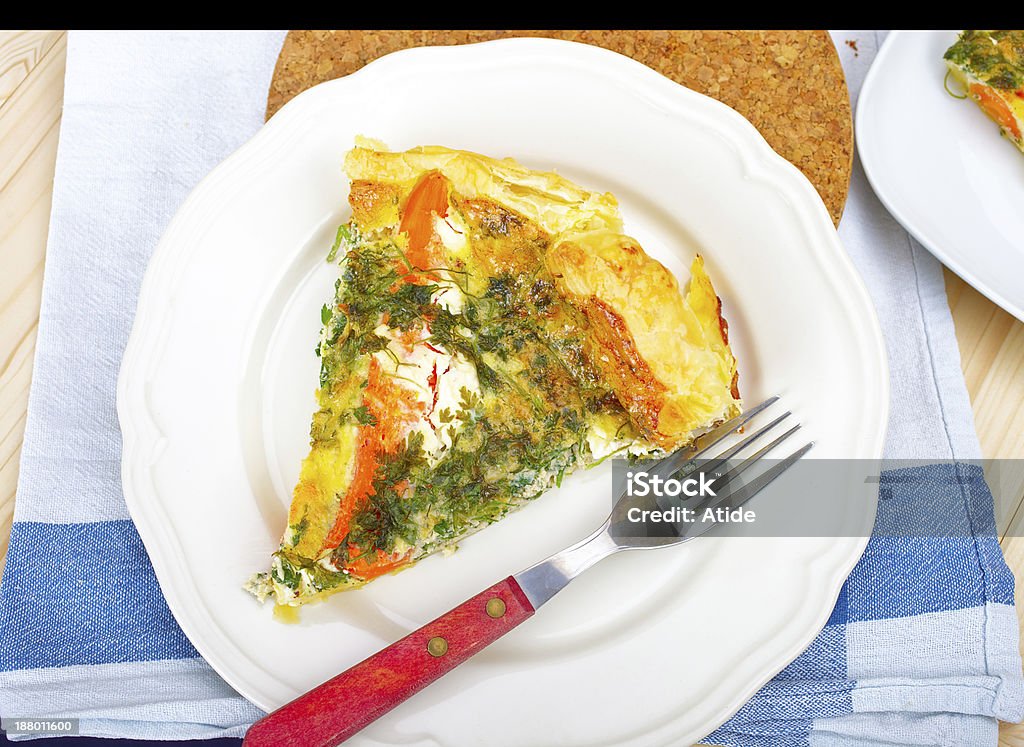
x: 992, y: 356
x: 29, y: 127
x: 20, y: 52
x: 1012, y: 735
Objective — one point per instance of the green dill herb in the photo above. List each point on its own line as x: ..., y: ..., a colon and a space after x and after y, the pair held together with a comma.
x: 945, y: 84
x: 344, y: 236
x: 363, y: 416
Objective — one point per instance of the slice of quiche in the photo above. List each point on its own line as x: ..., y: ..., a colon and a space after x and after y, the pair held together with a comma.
x: 990, y: 67
x: 491, y: 332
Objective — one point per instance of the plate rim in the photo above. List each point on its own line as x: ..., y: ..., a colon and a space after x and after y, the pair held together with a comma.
x: 756, y: 155
x: 872, y: 171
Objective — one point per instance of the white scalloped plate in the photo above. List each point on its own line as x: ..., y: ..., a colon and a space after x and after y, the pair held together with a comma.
x: 216, y: 387
x: 941, y: 168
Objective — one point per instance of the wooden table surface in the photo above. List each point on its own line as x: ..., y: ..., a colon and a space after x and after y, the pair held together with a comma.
x: 31, y: 96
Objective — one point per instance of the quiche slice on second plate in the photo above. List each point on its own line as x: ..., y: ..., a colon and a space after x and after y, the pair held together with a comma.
x: 990, y: 66
x: 492, y: 331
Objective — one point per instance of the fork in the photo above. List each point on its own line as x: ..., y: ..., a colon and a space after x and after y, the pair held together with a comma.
x: 339, y: 708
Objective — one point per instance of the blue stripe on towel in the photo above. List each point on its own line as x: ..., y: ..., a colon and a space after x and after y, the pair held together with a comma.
x: 908, y: 569
x: 794, y: 733
x: 934, y: 548
x: 88, y: 590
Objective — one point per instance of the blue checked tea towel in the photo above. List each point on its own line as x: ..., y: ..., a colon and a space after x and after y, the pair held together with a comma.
x: 921, y: 648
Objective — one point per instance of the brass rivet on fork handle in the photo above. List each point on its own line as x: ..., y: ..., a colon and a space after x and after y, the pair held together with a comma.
x: 496, y: 607
x: 437, y: 646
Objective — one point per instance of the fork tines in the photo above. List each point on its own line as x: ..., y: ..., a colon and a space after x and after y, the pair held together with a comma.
x: 730, y: 499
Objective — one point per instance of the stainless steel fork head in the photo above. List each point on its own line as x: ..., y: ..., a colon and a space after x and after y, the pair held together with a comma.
x: 542, y: 581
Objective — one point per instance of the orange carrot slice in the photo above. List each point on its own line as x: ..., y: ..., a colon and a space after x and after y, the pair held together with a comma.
x: 998, y: 110
x: 428, y: 198
x: 369, y: 568
x: 393, y: 409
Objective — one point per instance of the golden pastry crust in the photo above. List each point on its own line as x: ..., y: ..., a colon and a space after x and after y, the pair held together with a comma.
x: 667, y: 357
x: 545, y: 198
x: 374, y: 204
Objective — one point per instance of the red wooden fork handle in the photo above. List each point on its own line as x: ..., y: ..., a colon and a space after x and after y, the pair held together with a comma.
x: 337, y: 709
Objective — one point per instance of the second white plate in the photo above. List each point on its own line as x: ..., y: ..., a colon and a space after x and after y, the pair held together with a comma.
x: 216, y: 386
x: 940, y: 166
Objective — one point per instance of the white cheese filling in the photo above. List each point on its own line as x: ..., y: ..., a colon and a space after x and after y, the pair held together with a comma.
x: 436, y: 378
x: 454, y: 234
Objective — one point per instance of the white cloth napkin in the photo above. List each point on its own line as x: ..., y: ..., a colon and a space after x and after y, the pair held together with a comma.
x: 930, y: 416
x: 146, y: 117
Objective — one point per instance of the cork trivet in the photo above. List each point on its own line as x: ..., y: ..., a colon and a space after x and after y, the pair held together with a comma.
x: 789, y: 84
